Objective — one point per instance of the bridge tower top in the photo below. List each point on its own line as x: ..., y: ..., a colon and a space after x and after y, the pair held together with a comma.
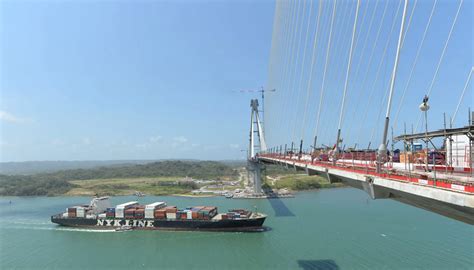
x: 256, y: 128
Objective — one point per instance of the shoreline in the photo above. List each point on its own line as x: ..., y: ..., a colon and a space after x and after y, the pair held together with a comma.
x: 152, y: 195
x: 192, y: 195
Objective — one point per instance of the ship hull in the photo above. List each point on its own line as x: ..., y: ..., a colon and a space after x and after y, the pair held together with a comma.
x: 251, y: 224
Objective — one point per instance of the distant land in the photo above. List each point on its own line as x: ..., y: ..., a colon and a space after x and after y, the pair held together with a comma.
x: 35, y: 167
x: 126, y: 177
x: 157, y: 178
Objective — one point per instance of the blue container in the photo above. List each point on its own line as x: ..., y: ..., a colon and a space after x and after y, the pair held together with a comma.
x: 417, y: 147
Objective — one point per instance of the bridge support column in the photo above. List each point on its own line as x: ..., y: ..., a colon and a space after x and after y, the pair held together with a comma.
x: 374, y: 192
x: 255, y: 170
x: 328, y: 176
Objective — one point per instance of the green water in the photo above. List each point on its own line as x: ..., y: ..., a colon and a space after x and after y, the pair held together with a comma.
x: 327, y: 229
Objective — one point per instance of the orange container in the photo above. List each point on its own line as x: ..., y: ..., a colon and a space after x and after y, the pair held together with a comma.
x: 408, y: 157
x: 170, y: 209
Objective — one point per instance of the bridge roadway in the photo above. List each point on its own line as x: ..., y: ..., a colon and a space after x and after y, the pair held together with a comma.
x: 451, y: 197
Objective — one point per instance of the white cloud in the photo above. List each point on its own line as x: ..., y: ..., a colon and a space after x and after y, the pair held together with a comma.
x: 180, y: 139
x: 179, y: 142
x: 155, y: 139
x: 8, y: 117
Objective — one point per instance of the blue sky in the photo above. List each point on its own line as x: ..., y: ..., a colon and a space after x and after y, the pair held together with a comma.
x: 101, y: 80
x: 94, y: 80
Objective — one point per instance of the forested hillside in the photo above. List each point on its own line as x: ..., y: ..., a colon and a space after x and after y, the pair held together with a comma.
x: 58, y: 182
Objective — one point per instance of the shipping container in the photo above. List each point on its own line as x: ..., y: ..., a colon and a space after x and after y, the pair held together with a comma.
x: 140, y: 213
x: 159, y: 213
x: 119, y: 210
x: 189, y: 214
x: 80, y: 211
x: 72, y: 210
x: 458, y: 151
x: 171, y: 215
x: 197, y: 208
x: 129, y: 213
x: 150, y: 209
x: 171, y: 209
x: 417, y: 146
x: 407, y: 157
x: 155, y: 205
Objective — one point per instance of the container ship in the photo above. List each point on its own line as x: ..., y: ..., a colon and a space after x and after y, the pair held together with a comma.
x: 157, y: 216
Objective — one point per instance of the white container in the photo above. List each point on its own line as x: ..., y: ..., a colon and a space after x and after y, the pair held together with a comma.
x: 155, y: 205
x: 101, y: 215
x: 189, y: 215
x: 149, y: 213
x: 119, y: 209
x: 171, y: 215
x: 126, y: 205
x: 80, y: 212
x: 150, y: 209
x: 65, y: 215
x: 458, y: 151
x: 119, y: 213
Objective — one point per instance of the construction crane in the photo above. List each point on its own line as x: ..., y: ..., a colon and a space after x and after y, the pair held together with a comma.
x: 261, y: 90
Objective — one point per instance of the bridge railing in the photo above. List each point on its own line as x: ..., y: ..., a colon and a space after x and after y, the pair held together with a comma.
x: 366, y: 163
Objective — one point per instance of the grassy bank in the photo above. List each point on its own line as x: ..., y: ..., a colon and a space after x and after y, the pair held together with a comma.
x: 301, y: 182
x: 278, y: 177
x: 127, y: 186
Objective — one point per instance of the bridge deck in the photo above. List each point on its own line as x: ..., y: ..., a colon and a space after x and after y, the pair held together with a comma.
x: 452, y: 197
x: 456, y: 182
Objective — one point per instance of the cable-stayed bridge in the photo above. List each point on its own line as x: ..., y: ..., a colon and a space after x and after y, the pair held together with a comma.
x: 348, y: 78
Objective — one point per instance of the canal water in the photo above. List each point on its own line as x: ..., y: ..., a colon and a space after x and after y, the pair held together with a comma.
x: 327, y: 229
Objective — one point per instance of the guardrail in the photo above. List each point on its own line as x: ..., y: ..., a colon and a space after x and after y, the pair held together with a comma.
x: 369, y: 167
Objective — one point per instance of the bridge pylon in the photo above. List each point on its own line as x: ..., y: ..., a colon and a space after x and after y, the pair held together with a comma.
x: 254, y: 166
